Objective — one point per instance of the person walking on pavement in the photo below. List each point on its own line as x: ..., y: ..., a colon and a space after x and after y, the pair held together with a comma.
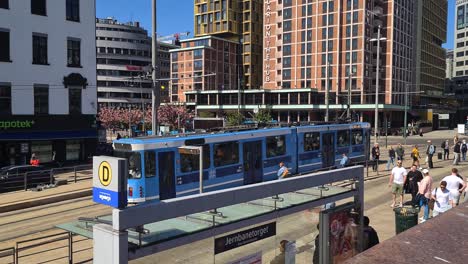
x: 446, y: 147
x: 464, y: 148
x: 391, y: 157
x: 397, y: 179
x: 443, y: 199
x: 430, y: 151
x: 455, y: 184
x: 415, y: 155
x: 375, y: 156
x: 413, y: 179
x: 400, y: 152
x: 456, y: 153
x: 424, y: 192
x: 344, y: 161
x: 283, y: 171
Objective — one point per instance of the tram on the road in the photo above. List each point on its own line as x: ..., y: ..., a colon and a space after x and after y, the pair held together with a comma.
x: 158, y: 170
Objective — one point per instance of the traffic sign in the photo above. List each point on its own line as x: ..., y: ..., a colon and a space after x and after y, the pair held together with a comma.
x: 110, y: 181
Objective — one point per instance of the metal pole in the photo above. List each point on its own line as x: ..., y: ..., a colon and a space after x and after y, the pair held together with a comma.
x: 155, y: 91
x: 327, y: 103
x: 349, y: 97
x: 376, y: 118
x: 406, y: 113
x: 200, y: 149
x: 386, y: 128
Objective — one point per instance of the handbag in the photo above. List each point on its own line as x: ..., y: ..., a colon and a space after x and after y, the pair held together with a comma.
x: 432, y: 201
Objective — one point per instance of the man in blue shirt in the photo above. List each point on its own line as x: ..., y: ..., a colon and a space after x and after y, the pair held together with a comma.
x: 344, y: 161
x: 283, y: 171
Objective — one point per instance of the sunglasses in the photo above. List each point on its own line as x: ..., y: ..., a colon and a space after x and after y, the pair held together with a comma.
x: 442, y: 187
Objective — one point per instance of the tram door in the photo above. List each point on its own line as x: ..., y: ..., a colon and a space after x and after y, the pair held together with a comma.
x: 166, y: 175
x: 253, y: 171
x: 328, y: 150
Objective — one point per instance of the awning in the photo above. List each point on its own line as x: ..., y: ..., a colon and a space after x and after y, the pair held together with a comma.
x: 48, y: 135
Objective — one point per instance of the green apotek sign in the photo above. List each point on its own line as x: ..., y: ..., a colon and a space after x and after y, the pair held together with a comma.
x: 5, y: 125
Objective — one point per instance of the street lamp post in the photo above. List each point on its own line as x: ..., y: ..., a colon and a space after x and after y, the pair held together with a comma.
x: 406, y: 112
x: 348, y: 115
x: 155, y: 92
x: 376, y: 118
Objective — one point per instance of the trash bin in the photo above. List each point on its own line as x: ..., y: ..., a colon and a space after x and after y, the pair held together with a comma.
x: 439, y: 155
x: 405, y: 218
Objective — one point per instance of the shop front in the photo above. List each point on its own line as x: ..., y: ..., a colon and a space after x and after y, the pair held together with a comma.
x: 53, y: 139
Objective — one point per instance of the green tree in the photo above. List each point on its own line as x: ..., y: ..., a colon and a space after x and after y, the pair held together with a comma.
x: 262, y: 116
x: 235, y: 119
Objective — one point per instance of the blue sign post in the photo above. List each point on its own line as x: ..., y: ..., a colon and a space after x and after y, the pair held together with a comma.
x: 109, y: 181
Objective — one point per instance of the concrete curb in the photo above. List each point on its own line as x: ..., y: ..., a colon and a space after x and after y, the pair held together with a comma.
x: 45, y: 200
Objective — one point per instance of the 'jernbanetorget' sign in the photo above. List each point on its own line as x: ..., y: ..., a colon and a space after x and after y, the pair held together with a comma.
x: 245, y: 237
x: 109, y: 181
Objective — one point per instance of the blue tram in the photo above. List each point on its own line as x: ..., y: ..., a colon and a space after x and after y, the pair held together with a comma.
x: 158, y: 171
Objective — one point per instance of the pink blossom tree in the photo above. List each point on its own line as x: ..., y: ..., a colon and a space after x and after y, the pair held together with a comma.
x: 175, y: 116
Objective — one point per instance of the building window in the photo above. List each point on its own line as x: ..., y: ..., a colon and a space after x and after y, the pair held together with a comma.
x: 38, y: 7
x: 73, y: 53
x: 72, y: 150
x: 41, y: 99
x: 43, y: 150
x: 73, y: 10
x: 74, y: 100
x: 5, y: 98
x: 4, y: 45
x: 40, y: 49
x: 4, y: 4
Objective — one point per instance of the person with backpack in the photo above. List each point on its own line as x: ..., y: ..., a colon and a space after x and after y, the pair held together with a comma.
x: 464, y: 148
x: 430, y: 151
x: 370, y: 235
x: 391, y: 157
x: 445, y: 146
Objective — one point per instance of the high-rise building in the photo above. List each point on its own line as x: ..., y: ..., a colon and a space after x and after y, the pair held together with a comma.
x: 235, y: 20
x: 430, y: 57
x: 123, y: 64
x: 47, y: 81
x: 330, y: 45
x: 449, y: 64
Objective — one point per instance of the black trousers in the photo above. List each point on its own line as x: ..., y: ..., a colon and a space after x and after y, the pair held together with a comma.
x: 446, y: 154
x: 429, y: 160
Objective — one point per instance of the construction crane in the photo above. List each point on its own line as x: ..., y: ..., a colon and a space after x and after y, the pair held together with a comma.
x: 175, y: 38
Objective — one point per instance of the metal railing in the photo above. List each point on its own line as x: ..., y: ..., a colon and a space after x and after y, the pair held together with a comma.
x: 51, y: 177
x: 30, y: 248
x: 6, y: 254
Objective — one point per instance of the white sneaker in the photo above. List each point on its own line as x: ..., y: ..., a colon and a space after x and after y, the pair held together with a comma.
x: 422, y: 221
x: 421, y: 218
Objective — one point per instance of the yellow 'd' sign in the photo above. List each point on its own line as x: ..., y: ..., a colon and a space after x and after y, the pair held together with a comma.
x: 105, y: 173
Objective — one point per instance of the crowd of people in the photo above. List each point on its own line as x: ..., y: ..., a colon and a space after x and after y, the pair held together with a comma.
x: 425, y: 193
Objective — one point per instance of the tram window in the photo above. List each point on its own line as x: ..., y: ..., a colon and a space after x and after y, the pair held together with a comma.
x: 311, y: 141
x: 190, y: 162
x: 150, y: 164
x: 357, y: 137
x: 343, y: 138
x: 226, y: 154
x: 275, y: 146
x: 134, y: 163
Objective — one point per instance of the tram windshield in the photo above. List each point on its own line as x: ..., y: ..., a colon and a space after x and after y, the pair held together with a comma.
x: 134, y: 163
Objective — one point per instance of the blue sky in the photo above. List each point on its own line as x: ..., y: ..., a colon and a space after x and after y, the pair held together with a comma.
x: 177, y: 15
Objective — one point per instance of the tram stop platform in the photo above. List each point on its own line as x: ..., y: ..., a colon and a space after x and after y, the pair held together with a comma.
x: 284, y: 207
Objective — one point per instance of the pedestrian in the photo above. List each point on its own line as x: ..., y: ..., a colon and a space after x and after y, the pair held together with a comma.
x: 430, y: 151
x: 446, y: 147
x: 281, y: 258
x: 464, y: 148
x: 400, y: 152
x: 415, y: 155
x: 34, y: 161
x: 316, y: 256
x: 443, y: 199
x: 344, y: 161
x: 413, y: 179
x: 370, y: 235
x: 455, y: 139
x: 397, y: 179
x: 119, y: 136
x: 424, y: 193
x: 456, y: 153
x: 375, y: 156
x: 455, y: 184
x: 283, y: 171
x: 391, y: 157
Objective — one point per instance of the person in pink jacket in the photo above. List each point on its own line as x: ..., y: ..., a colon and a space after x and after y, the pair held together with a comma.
x: 424, y: 192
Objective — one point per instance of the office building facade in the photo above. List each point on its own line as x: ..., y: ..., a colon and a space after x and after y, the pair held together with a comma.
x: 124, y: 64
x: 48, y: 98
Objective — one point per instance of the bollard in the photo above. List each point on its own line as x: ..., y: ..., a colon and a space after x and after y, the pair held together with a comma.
x: 25, y: 181
x: 74, y: 169
x: 51, y: 174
